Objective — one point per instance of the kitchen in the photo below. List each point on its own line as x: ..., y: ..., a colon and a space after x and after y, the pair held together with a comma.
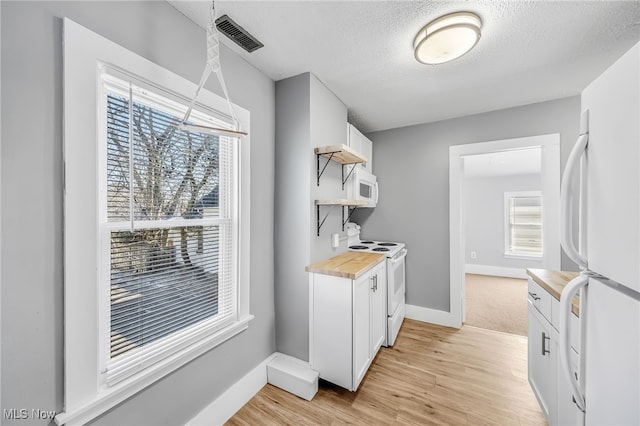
x: 32, y: 368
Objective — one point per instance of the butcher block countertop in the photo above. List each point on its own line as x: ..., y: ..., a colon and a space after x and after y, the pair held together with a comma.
x: 553, y: 282
x: 351, y: 264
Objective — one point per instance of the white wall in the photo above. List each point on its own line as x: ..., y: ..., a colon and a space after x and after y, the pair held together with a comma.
x: 32, y: 194
x: 308, y: 115
x: 483, y: 205
x: 412, y: 166
x: 0, y: 207
x: 292, y: 223
x: 328, y: 127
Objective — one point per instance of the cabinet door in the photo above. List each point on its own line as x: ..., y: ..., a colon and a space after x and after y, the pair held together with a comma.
x: 542, y: 363
x: 354, y: 137
x: 366, y: 149
x: 568, y: 411
x: 330, y: 328
x: 378, y: 302
x: 361, y: 144
x: 361, y: 333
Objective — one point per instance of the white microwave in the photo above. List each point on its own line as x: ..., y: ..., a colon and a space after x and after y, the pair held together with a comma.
x: 363, y: 186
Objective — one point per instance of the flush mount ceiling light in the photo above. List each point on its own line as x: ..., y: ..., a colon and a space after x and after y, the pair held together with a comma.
x: 447, y: 38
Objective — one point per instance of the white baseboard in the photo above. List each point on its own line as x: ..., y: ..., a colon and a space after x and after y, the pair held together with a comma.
x: 234, y: 398
x: 432, y: 316
x: 497, y: 271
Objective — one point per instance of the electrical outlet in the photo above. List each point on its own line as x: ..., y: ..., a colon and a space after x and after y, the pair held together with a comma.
x: 335, y: 240
x: 474, y: 255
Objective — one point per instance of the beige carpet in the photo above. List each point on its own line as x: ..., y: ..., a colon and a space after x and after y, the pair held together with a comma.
x: 496, y: 303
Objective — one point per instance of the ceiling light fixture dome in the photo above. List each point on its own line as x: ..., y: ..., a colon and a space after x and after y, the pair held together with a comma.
x: 447, y: 38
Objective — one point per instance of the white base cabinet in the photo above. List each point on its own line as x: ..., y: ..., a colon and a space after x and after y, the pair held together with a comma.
x: 549, y: 387
x: 567, y: 412
x: 542, y: 360
x: 347, y: 321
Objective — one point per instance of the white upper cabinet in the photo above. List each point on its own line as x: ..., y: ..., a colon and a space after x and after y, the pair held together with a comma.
x: 361, y: 144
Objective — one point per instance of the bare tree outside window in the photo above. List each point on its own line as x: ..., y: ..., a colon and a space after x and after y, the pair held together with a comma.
x: 163, y: 277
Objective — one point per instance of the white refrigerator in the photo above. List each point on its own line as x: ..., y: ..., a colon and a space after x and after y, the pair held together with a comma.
x: 602, y: 177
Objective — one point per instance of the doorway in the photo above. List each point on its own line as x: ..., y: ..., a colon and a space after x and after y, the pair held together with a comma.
x: 502, y: 211
x: 549, y: 148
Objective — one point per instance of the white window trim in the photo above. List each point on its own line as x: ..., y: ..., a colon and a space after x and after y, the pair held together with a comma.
x: 84, y: 52
x: 508, y: 254
x: 132, y: 363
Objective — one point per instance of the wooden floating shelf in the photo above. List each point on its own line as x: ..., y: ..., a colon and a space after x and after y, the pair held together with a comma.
x: 341, y: 154
x: 333, y: 203
x: 341, y: 202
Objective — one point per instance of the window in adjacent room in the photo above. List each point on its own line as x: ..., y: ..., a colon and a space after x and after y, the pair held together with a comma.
x: 523, y: 223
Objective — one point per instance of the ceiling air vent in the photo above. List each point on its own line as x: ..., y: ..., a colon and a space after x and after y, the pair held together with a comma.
x: 235, y: 32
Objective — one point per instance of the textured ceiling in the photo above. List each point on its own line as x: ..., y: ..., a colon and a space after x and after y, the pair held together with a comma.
x: 530, y: 51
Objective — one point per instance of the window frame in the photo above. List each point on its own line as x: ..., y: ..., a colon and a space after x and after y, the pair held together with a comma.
x: 85, y: 52
x: 114, y: 81
x: 507, y: 222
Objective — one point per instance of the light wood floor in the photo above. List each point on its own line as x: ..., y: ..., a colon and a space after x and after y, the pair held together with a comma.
x: 432, y: 375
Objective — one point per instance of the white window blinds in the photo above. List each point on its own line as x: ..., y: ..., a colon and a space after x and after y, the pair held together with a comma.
x: 524, y: 226
x: 167, y: 230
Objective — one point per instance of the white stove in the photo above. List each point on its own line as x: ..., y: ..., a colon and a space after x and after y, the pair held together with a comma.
x: 354, y: 242
x: 387, y: 248
x: 395, y: 265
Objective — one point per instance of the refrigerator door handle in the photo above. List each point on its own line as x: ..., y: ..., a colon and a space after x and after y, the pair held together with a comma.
x: 566, y: 229
x: 566, y: 301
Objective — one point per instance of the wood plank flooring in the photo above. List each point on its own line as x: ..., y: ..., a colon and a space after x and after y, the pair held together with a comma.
x: 433, y: 375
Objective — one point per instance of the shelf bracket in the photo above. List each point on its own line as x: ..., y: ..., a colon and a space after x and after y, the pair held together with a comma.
x: 318, y: 171
x: 344, y: 222
x: 344, y: 179
x: 319, y: 223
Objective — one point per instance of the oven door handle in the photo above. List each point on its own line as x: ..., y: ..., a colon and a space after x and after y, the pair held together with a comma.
x: 399, y: 258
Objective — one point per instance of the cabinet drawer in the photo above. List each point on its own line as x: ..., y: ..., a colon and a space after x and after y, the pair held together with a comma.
x: 540, y: 299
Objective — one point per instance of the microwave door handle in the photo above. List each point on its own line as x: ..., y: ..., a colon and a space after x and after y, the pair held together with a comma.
x: 376, y: 201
